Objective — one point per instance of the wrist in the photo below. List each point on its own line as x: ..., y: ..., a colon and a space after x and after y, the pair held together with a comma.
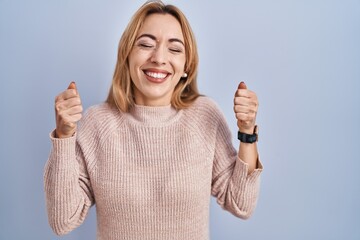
x: 249, y: 130
x: 60, y: 135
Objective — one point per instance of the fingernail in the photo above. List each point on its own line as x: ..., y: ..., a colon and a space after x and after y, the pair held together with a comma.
x: 240, y: 84
x: 72, y: 85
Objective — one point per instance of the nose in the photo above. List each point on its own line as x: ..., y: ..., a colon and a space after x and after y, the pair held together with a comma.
x: 159, y: 56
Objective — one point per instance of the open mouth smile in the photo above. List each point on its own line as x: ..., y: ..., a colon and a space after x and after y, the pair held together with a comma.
x: 156, y: 76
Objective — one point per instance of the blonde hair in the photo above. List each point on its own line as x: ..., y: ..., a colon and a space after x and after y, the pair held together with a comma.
x: 121, y: 90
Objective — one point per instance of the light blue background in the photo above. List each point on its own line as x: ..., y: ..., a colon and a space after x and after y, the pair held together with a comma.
x: 302, y: 58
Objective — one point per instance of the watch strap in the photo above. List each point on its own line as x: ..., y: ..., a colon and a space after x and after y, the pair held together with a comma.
x: 248, y: 138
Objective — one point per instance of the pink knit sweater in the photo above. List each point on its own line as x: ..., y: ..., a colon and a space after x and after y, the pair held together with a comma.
x: 150, y: 173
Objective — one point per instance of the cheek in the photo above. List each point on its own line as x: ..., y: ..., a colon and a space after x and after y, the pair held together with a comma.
x: 179, y: 64
x: 137, y: 58
x: 132, y: 71
x: 134, y: 66
x: 131, y: 63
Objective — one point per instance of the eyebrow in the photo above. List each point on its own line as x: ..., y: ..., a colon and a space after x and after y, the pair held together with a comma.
x: 154, y: 38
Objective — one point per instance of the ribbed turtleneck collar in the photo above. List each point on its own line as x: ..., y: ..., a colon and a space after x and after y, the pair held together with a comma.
x: 153, y: 115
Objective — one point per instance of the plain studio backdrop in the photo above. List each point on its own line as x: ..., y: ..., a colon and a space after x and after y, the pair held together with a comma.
x: 302, y: 58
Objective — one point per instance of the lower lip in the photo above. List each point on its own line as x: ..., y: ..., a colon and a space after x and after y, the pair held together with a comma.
x: 156, y: 80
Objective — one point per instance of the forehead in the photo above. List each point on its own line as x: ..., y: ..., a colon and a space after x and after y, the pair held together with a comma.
x: 161, y: 26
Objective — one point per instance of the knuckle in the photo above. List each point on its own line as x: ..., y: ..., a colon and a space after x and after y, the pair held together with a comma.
x: 57, y: 107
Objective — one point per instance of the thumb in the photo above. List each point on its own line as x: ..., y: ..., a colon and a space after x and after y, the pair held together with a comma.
x: 242, y: 85
x: 72, y: 85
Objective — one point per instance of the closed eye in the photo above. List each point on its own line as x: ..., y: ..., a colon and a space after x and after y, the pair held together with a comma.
x: 144, y: 45
x: 175, y: 50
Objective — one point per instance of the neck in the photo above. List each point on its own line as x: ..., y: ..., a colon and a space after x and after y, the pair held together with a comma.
x: 157, y: 115
x: 142, y: 100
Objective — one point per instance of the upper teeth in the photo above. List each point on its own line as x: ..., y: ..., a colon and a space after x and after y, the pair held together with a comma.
x: 156, y: 75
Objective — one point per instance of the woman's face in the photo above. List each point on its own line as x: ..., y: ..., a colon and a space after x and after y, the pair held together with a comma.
x: 157, y: 60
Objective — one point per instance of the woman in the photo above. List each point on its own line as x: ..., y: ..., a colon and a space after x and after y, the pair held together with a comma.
x: 154, y: 152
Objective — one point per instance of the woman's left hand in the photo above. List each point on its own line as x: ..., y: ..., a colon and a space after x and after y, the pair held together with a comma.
x: 245, y: 107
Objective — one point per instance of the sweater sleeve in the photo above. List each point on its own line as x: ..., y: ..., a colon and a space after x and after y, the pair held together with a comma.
x: 236, y: 190
x: 68, y: 191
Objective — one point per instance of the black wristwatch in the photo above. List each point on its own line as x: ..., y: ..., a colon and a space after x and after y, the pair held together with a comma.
x: 249, y: 138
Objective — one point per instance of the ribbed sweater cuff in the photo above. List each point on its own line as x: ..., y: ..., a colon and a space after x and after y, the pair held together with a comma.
x: 242, y: 168
x: 63, y: 151
x: 247, y: 185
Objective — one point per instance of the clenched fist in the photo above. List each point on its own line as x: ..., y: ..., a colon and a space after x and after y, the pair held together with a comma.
x: 245, y: 107
x: 68, y: 111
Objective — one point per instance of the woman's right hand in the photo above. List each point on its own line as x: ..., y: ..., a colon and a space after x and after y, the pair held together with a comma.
x: 68, y: 111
